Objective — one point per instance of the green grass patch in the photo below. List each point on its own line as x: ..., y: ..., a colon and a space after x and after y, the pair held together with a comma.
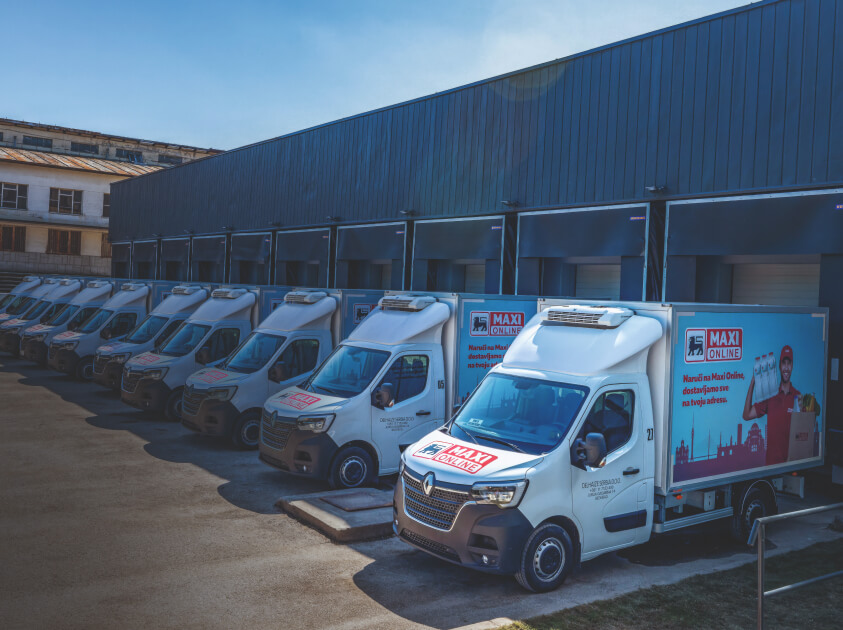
x: 725, y: 599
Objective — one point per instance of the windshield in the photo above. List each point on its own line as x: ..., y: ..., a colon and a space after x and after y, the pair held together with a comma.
x: 80, y: 316
x: 524, y: 414
x: 7, y: 299
x: 60, y: 315
x: 255, y: 352
x: 185, y: 339
x: 347, y: 372
x: 20, y: 305
x: 95, y: 321
x: 147, y: 329
x: 35, y: 311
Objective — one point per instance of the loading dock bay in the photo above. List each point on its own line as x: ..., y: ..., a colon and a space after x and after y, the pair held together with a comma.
x: 113, y: 518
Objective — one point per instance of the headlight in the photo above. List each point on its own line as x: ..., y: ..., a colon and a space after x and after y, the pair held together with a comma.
x: 40, y: 337
x: 401, y: 465
x: 12, y: 329
x: 119, y: 358
x: 222, y: 393
x: 155, y: 375
x: 67, y: 345
x: 504, y: 494
x: 317, y: 424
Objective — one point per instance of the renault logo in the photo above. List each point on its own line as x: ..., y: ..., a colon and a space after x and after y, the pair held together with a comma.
x: 428, y: 483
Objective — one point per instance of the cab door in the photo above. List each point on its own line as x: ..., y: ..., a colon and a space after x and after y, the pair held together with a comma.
x: 410, y: 413
x: 607, y: 500
x: 300, y: 357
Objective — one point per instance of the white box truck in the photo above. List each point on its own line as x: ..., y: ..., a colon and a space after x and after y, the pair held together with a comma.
x: 285, y: 348
x: 14, y: 298
x: 154, y: 381
x: 162, y: 321
x: 36, y: 339
x: 62, y: 292
x: 394, y: 379
x: 606, y: 423
x: 72, y: 352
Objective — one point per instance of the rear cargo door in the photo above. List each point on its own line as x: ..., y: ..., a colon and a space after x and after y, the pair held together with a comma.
x: 780, y: 284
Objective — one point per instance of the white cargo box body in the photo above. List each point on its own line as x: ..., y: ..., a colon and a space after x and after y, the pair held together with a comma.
x: 699, y: 373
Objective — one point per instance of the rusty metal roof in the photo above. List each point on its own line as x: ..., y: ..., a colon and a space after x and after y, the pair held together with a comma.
x: 91, y: 165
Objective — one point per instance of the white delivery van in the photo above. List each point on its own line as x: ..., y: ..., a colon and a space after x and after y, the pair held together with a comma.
x: 11, y: 331
x: 154, y: 381
x: 156, y: 328
x: 606, y: 423
x: 36, y: 339
x: 382, y: 388
x: 282, y: 351
x: 14, y: 298
x: 26, y: 301
x: 72, y: 352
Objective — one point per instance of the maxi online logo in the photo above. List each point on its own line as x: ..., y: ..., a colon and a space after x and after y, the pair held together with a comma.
x: 496, y: 324
x: 713, y: 344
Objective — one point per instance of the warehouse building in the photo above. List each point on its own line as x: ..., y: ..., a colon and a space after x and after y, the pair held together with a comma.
x: 702, y: 162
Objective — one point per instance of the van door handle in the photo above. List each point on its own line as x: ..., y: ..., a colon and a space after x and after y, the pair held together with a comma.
x: 422, y: 413
x: 631, y: 471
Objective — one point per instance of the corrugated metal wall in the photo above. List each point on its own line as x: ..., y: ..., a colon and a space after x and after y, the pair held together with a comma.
x: 749, y: 100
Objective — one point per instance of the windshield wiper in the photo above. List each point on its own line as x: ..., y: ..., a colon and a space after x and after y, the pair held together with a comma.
x: 327, y: 390
x: 514, y: 447
x: 473, y: 439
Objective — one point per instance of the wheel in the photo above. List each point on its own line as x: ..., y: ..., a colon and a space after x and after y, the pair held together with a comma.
x: 247, y: 430
x: 352, y: 467
x: 547, y: 559
x: 84, y: 370
x: 756, y: 503
x: 172, y: 408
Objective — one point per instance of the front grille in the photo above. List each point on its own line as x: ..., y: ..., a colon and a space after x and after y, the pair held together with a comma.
x: 437, y: 510
x: 432, y: 546
x: 130, y: 381
x: 276, y: 436
x: 99, y: 364
x: 52, y: 351
x: 192, y: 400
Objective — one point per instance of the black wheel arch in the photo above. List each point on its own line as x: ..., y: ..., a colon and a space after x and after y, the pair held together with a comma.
x: 573, y: 532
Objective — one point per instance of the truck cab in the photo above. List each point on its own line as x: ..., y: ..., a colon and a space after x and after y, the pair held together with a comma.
x: 35, y: 341
x: 28, y: 300
x: 11, y: 331
x: 154, y: 381
x: 19, y: 294
x: 152, y: 332
x: 381, y: 389
x: 283, y: 351
x: 72, y: 352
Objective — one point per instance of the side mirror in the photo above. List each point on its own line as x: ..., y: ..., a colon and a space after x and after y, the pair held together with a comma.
x: 203, y: 356
x: 590, y: 452
x: 106, y: 333
x: 383, y: 396
x: 278, y: 372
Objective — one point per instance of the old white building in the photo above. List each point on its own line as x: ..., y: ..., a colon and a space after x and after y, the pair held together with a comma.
x: 54, y: 194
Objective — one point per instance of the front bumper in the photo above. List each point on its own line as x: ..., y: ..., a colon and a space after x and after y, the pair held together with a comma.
x: 34, y: 350
x: 213, y: 417
x: 108, y: 376
x: 63, y: 360
x: 304, y: 453
x: 477, y: 531
x: 10, y: 342
x: 148, y: 395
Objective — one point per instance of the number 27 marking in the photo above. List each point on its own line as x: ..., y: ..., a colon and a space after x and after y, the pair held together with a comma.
x: 649, y: 434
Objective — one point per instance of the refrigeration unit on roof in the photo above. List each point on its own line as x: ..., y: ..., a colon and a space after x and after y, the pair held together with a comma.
x: 66, y: 282
x: 132, y: 286
x: 30, y: 278
x: 185, y: 289
x: 228, y: 294
x: 304, y: 297
x: 411, y: 303
x: 96, y: 284
x: 588, y: 316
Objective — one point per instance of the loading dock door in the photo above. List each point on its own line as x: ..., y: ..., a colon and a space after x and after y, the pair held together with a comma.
x: 301, y: 258
x: 144, y: 259
x: 598, y: 282
x: 782, y: 284
x: 371, y: 257
x: 250, y: 258
x: 121, y: 254
x: 207, y: 262
x: 175, y: 260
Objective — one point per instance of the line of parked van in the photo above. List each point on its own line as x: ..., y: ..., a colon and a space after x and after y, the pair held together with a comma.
x: 569, y: 447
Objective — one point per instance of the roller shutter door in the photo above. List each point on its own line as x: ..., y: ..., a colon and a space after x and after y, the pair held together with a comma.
x: 599, y: 282
x: 783, y: 284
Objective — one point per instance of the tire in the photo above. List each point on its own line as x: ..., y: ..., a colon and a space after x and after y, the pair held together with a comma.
x: 172, y: 408
x: 547, y: 559
x: 247, y: 431
x: 352, y: 468
x: 756, y: 503
x: 84, y: 370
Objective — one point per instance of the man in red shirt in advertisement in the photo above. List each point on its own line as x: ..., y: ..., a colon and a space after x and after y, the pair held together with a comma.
x: 777, y: 409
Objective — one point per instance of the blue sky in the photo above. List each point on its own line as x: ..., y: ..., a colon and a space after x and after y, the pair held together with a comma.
x: 225, y: 74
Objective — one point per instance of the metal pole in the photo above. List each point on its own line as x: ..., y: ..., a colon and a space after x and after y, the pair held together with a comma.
x: 760, y: 575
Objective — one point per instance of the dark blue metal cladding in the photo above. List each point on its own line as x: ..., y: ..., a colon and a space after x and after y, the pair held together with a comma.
x: 747, y: 100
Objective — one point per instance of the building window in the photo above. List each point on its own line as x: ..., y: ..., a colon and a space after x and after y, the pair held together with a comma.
x: 132, y: 156
x: 106, y: 204
x: 105, y: 247
x: 170, y: 159
x: 81, y: 147
x: 12, y: 239
x: 65, y: 201
x: 64, y: 242
x: 13, y: 196
x: 32, y: 141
